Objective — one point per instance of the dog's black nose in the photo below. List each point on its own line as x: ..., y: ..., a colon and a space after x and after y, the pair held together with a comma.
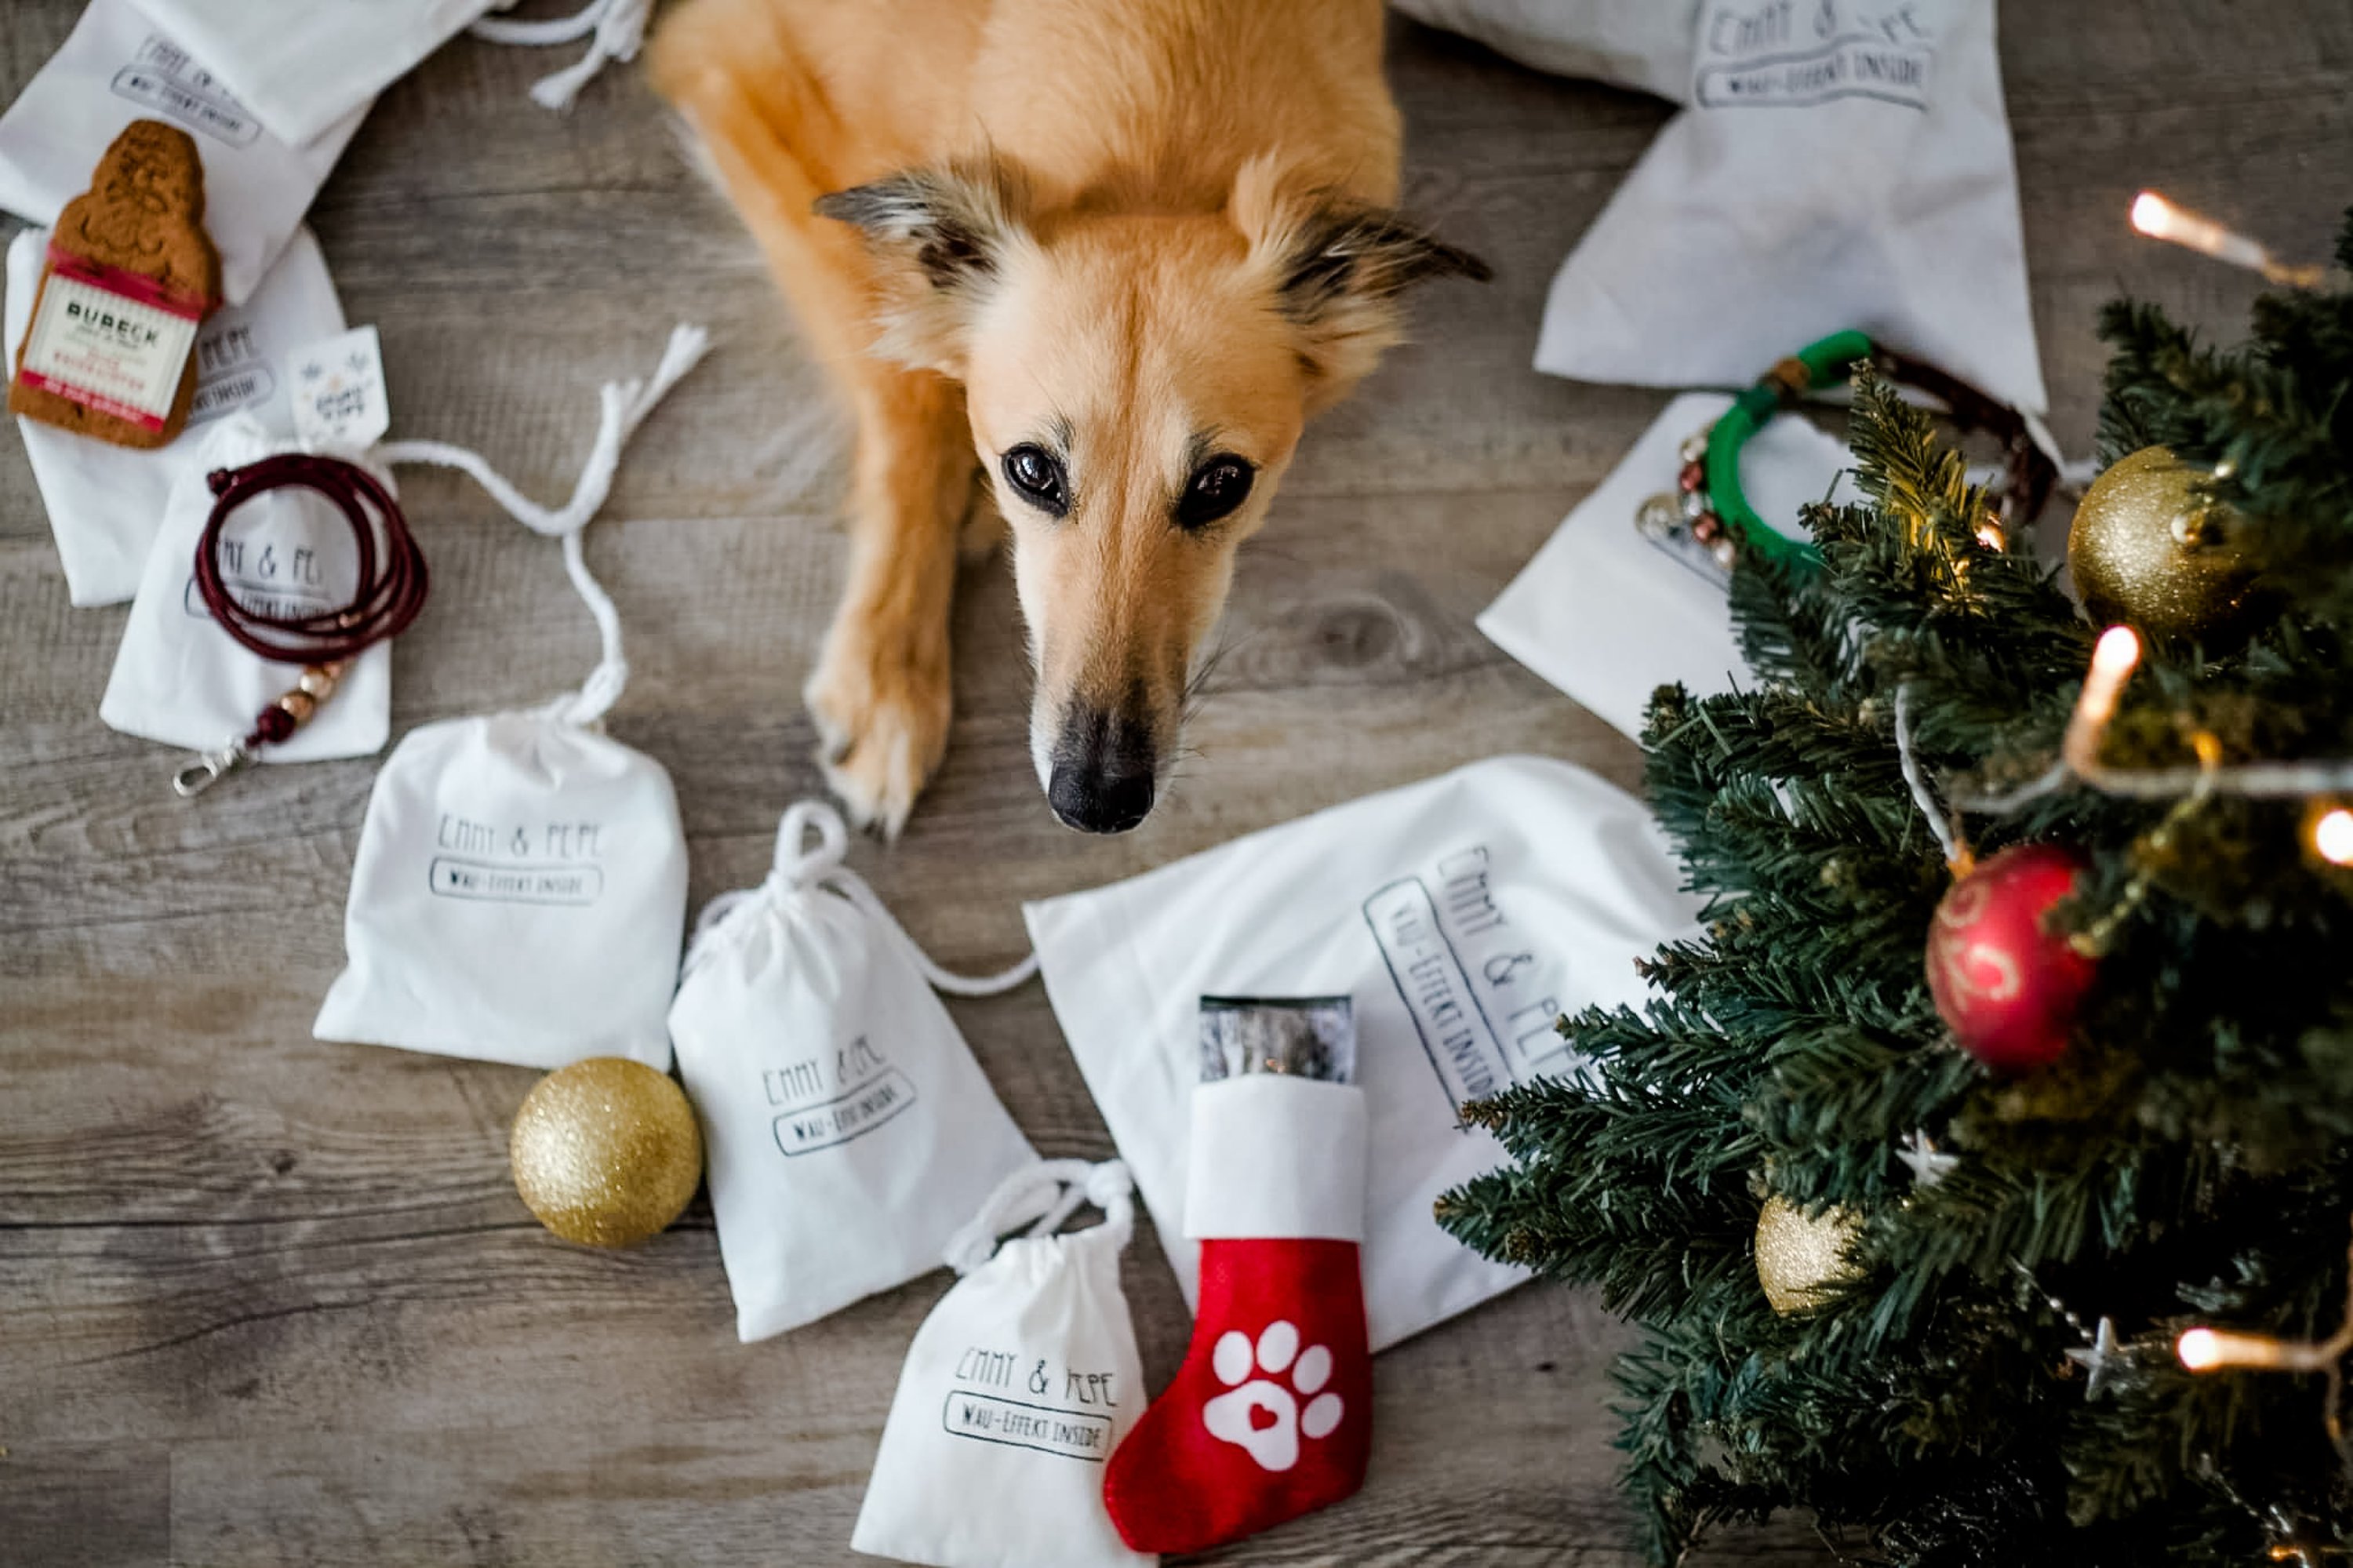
x: 1103, y: 775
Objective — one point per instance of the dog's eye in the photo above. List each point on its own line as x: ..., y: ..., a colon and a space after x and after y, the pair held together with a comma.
x: 1217, y: 487
x: 1034, y: 471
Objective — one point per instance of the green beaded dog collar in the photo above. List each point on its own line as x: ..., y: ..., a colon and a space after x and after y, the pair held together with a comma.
x: 1708, y: 498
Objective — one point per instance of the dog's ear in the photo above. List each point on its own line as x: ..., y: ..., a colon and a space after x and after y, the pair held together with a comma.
x: 948, y: 235
x: 1335, y: 268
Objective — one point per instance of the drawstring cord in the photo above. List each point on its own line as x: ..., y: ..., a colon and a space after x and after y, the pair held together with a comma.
x: 618, y: 31
x: 1048, y: 1192
x: 623, y: 406
x: 799, y: 869
x: 391, y: 602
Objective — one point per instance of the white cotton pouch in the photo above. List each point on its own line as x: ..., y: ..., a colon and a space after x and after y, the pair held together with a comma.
x: 1642, y: 44
x: 1609, y: 615
x: 1018, y: 1386
x: 178, y: 678
x: 116, y: 66
x: 306, y: 65
x: 1461, y: 916
x: 519, y: 891
x: 105, y: 501
x: 845, y: 1123
x: 517, y: 895
x: 1843, y: 164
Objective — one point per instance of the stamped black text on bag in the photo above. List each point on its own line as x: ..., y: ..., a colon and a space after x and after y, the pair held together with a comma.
x: 1483, y: 1001
x: 816, y: 1114
x: 552, y: 862
x: 162, y: 77
x: 1794, y: 53
x: 275, y: 570
x: 232, y: 372
x: 986, y: 1416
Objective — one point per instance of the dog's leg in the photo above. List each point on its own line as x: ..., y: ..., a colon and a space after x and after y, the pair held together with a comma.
x: 880, y: 694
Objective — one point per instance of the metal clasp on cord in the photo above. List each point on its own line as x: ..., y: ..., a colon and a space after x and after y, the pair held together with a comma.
x: 201, y: 775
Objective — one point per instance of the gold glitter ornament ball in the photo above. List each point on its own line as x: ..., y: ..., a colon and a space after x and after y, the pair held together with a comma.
x: 2146, y: 550
x: 1799, y: 1260
x: 606, y: 1151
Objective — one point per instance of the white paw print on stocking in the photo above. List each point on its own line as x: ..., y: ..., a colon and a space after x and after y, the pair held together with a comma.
x: 1263, y: 1416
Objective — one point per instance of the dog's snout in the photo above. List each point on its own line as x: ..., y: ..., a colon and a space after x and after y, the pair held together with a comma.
x: 1102, y: 781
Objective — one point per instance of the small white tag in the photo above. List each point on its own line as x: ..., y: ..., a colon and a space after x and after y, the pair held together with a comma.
x: 340, y: 403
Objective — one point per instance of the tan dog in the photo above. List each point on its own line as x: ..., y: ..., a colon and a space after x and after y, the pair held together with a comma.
x: 1121, y: 250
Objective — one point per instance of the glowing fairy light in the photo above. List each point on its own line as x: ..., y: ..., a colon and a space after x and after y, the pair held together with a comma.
x: 2113, y: 658
x: 2203, y: 1350
x: 2332, y: 836
x: 2160, y: 219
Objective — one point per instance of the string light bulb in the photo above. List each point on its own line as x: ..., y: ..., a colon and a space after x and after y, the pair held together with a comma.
x: 2113, y: 658
x: 2204, y: 1349
x: 2160, y: 219
x: 2332, y: 835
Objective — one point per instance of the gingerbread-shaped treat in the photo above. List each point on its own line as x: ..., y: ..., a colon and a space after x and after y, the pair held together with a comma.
x: 130, y: 274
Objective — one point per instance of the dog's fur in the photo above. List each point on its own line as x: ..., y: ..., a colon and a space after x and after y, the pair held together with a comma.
x: 1120, y: 246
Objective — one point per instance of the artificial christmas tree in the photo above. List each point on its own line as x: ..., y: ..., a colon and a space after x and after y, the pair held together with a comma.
x: 2000, y: 1370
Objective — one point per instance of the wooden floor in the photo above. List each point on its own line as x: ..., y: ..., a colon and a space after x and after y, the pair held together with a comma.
x: 268, y: 1301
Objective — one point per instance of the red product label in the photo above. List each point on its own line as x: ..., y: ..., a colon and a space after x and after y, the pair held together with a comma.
x: 129, y: 285
x: 109, y: 340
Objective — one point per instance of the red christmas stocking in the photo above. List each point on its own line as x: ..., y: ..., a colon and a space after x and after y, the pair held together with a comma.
x: 1272, y: 1415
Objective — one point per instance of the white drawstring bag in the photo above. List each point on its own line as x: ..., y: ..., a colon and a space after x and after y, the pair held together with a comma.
x: 117, y: 67
x: 1642, y: 44
x: 1461, y: 916
x: 1017, y: 1387
x: 1838, y: 163
x: 520, y: 886
x: 304, y: 65
x: 1610, y: 614
x: 105, y: 502
x: 178, y: 677
x: 845, y: 1123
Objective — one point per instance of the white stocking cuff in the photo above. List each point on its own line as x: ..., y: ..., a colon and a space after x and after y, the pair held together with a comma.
x: 1276, y: 1157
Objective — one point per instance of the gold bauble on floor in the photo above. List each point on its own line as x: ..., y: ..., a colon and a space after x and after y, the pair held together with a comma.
x: 2146, y: 550
x: 1800, y: 1260
x: 606, y: 1151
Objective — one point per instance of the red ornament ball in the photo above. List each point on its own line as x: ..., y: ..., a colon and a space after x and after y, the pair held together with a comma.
x: 2006, y: 985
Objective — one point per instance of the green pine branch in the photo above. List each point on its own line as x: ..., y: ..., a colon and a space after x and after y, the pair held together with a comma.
x: 2190, y: 1159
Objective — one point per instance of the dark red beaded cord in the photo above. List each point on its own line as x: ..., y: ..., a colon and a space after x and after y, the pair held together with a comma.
x: 389, y: 594
x: 382, y: 605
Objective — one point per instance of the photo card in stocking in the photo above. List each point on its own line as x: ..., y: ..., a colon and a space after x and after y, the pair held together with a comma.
x: 845, y: 1123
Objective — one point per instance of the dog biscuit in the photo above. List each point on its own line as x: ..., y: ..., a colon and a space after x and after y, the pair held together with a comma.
x: 130, y: 273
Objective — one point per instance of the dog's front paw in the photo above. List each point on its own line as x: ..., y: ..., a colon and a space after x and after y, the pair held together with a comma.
x: 883, y: 726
